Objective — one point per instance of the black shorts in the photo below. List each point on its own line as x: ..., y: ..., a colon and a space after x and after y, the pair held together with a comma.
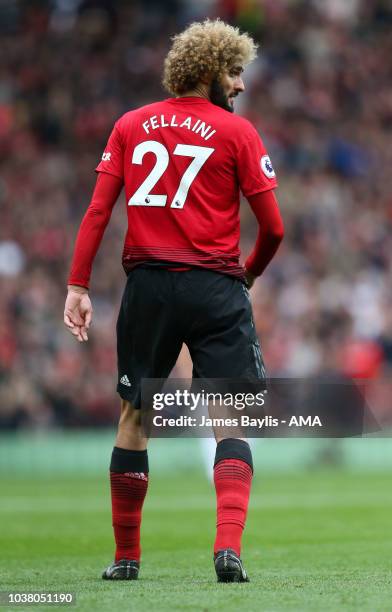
x: 208, y: 311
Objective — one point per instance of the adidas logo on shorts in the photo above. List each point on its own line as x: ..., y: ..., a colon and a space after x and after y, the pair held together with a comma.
x: 124, y: 380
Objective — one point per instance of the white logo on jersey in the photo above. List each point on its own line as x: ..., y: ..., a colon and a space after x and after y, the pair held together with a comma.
x: 124, y: 380
x: 266, y: 167
x: 106, y: 156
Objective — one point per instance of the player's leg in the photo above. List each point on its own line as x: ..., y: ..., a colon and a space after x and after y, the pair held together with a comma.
x: 147, y: 347
x: 233, y: 472
x: 232, y: 476
x: 128, y: 484
x: 223, y: 344
x: 130, y: 434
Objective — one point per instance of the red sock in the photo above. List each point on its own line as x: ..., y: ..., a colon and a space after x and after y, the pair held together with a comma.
x: 128, y: 493
x: 232, y: 478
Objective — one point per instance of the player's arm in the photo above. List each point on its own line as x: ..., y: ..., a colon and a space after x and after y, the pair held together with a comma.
x: 78, y: 309
x: 257, y: 181
x: 270, y: 234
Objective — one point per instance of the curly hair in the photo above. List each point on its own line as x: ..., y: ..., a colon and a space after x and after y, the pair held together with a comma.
x: 207, y: 48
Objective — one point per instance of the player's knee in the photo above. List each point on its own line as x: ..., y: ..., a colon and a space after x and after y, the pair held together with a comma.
x: 126, y: 405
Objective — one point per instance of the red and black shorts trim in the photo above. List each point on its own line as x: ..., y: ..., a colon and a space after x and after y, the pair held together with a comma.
x: 161, y: 309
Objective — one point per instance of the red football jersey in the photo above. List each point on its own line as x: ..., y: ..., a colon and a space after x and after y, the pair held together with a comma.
x: 183, y: 162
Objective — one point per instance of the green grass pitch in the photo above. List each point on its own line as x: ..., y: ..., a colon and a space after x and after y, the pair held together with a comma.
x: 314, y: 541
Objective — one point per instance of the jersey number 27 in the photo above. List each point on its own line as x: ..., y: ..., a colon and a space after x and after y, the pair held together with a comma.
x: 143, y: 197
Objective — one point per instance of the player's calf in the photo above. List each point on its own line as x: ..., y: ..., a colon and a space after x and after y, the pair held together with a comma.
x: 233, y: 471
x: 129, y: 483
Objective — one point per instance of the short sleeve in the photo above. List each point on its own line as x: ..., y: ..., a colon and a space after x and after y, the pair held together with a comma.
x: 255, y: 170
x: 112, y: 158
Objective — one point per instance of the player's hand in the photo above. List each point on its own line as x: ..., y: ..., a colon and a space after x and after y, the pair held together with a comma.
x: 78, y: 312
x: 250, y: 278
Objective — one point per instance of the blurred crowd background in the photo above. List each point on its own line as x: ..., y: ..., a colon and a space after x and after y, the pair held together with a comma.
x: 320, y: 94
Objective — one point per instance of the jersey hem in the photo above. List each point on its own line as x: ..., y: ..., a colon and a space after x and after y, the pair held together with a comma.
x: 219, y: 262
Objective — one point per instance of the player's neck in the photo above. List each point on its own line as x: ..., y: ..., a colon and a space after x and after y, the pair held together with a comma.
x: 200, y: 91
